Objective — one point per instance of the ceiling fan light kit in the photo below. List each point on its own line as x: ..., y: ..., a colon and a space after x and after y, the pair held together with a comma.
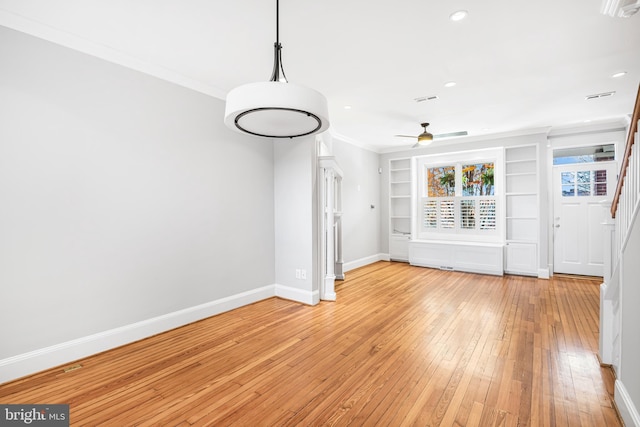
x: 426, y: 138
x: 276, y: 108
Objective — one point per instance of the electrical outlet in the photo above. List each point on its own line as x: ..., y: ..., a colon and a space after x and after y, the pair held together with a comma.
x: 297, y: 273
x: 303, y: 274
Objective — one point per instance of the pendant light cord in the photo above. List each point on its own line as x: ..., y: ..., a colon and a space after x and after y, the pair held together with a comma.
x: 278, y: 70
x: 276, y: 109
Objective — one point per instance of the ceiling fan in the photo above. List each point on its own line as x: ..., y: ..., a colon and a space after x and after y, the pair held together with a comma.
x: 426, y: 138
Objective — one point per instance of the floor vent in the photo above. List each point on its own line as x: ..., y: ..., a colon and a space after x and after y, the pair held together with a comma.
x: 72, y: 368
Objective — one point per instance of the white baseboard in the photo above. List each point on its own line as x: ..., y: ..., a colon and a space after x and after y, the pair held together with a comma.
x: 298, y: 295
x: 626, y: 406
x: 59, y: 354
x: 352, y: 265
x: 543, y: 273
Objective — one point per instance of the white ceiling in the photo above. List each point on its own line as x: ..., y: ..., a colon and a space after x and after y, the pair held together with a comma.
x: 518, y: 65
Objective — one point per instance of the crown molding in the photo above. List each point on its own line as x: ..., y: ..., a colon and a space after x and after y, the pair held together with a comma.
x: 80, y: 44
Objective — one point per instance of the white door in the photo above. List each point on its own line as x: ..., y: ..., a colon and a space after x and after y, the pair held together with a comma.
x: 582, y: 199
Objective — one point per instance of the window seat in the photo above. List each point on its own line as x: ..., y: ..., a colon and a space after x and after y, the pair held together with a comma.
x: 472, y: 257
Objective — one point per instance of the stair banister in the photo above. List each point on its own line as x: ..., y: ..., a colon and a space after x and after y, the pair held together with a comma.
x: 627, y: 153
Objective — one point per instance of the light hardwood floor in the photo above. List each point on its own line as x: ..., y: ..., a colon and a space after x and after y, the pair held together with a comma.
x: 401, y: 346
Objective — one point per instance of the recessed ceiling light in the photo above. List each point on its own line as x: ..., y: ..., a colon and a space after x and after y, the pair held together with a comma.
x: 458, y: 15
x: 449, y: 84
x: 620, y: 74
x: 347, y: 107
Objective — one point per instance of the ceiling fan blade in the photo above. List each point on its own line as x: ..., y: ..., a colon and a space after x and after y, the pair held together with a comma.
x: 416, y: 145
x: 406, y: 136
x: 451, y: 134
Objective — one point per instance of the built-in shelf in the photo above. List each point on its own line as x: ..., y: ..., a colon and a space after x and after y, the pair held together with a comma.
x: 521, y: 214
x: 522, y: 153
x: 520, y: 167
x: 399, y: 208
x: 521, y: 174
x: 521, y: 194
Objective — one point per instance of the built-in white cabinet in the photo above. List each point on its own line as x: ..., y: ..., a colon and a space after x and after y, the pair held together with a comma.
x: 521, y: 258
x: 519, y: 252
x: 399, y: 247
x: 521, y: 213
x: 399, y: 208
x: 473, y: 257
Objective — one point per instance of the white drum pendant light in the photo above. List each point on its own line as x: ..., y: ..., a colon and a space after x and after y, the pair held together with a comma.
x: 276, y: 109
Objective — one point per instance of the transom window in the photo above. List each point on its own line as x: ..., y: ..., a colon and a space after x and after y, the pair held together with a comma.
x: 589, y: 154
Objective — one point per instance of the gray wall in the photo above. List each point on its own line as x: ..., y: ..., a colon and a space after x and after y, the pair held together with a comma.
x: 360, y: 190
x: 122, y: 197
x: 294, y: 233
x: 630, y: 296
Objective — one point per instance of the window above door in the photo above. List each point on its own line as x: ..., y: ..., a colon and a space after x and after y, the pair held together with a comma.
x: 588, y: 154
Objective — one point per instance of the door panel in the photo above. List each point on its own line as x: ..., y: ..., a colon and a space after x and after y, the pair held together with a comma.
x: 570, y: 233
x: 595, y: 245
x: 582, y: 197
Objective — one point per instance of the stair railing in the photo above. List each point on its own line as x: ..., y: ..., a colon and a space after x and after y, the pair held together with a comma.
x: 627, y: 155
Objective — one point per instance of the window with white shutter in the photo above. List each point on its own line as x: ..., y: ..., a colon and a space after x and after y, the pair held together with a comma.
x: 458, y: 198
x: 487, y: 214
x: 447, y: 214
x: 430, y: 215
x: 467, y: 214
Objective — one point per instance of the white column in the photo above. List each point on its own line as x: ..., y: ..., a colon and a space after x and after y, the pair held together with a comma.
x: 330, y: 225
x: 330, y: 277
x: 322, y: 226
x: 338, y: 269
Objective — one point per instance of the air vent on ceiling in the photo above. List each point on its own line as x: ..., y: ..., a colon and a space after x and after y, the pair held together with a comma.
x: 599, y: 95
x: 426, y: 98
